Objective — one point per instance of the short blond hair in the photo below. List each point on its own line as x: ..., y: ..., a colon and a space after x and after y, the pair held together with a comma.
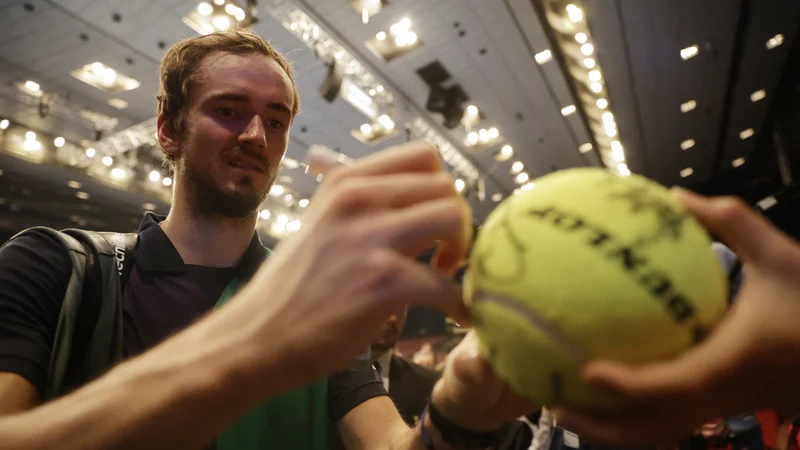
x: 180, y: 64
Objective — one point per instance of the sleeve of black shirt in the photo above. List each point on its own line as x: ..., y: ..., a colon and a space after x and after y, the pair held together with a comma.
x: 352, y: 387
x: 34, y: 273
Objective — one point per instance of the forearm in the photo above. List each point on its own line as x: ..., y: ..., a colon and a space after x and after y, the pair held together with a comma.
x: 179, y: 395
x: 411, y: 438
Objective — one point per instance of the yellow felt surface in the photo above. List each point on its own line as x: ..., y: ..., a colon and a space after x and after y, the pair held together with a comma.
x: 551, y: 266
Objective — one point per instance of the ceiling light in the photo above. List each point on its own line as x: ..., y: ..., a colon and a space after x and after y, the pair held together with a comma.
x: 744, y: 134
x: 82, y: 195
x: 167, y: 181
x: 293, y: 26
x: 108, y: 161
x: 483, y: 135
x: 386, y: 122
x: 74, y: 184
x: 118, y: 173
x: 758, y: 95
x: 602, y: 103
x: 617, y: 151
x: 366, y: 128
x: 381, y: 36
x: 358, y: 98
x: 505, y: 153
x: 4, y: 124
x: 289, y: 198
x: 239, y: 15
x: 460, y: 185
x: 372, y: 92
x: 293, y: 226
x: 543, y: 56
x: 688, y: 106
x: 103, y: 77
x: 611, y: 132
x: 737, y: 162
x: 521, y: 178
x: 221, y: 23
x: 517, y: 167
x: 567, y: 110
x: 527, y: 186
x: 379, y: 88
x: 30, y: 136
x: 774, y: 41
x: 149, y: 206
x: 472, y: 110
x: 264, y: 214
x: 155, y: 176
x: 118, y: 103
x: 581, y: 38
x: 497, y: 197
x: 59, y: 142
x: 90, y: 152
x: 623, y: 170
x: 219, y: 2
x: 596, y: 88
x: 594, y: 75
x: 690, y: 52
x: 282, y: 219
x: 575, y: 14
x: 608, y: 117
x: 585, y: 148
x: 494, y: 133
x: 276, y: 190
x: 303, y: 203
x: 400, y: 27
x: 472, y: 138
x: 687, y: 144
x: 587, y: 49
x: 686, y: 172
x: 589, y: 63
x: 32, y: 145
x: 32, y: 86
x: 517, y: 191
x: 290, y: 163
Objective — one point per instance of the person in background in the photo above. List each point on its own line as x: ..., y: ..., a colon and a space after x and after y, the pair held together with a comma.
x: 409, y: 384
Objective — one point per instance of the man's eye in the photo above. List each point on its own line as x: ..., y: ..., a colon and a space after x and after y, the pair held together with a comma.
x: 226, y: 112
x: 276, y: 124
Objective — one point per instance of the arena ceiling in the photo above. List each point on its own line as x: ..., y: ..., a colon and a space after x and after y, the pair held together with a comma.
x: 690, y: 85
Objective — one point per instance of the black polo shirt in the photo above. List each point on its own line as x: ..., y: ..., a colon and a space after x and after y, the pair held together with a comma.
x: 163, y: 295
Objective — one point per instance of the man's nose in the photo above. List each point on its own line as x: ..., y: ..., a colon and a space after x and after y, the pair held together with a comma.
x: 254, y: 133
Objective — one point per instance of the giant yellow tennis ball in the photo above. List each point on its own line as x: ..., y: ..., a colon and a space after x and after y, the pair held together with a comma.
x: 589, y: 265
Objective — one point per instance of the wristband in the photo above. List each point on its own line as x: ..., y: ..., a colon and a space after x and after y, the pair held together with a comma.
x: 458, y: 436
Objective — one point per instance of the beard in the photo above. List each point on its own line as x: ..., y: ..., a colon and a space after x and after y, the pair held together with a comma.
x: 238, y: 200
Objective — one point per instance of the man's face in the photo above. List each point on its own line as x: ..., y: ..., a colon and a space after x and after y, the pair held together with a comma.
x: 235, y: 133
x: 389, y: 333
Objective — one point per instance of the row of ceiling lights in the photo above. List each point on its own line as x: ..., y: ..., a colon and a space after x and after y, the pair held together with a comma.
x: 692, y: 51
x: 587, y: 72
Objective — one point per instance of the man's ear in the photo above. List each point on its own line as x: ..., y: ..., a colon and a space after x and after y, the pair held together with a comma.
x: 168, y: 137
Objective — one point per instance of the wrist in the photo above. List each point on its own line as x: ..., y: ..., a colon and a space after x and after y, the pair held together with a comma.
x: 439, y: 433
x: 458, y: 414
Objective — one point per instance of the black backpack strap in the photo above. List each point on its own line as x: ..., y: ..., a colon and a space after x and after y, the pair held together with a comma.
x: 60, y: 356
x: 124, y: 247
x: 98, y: 338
